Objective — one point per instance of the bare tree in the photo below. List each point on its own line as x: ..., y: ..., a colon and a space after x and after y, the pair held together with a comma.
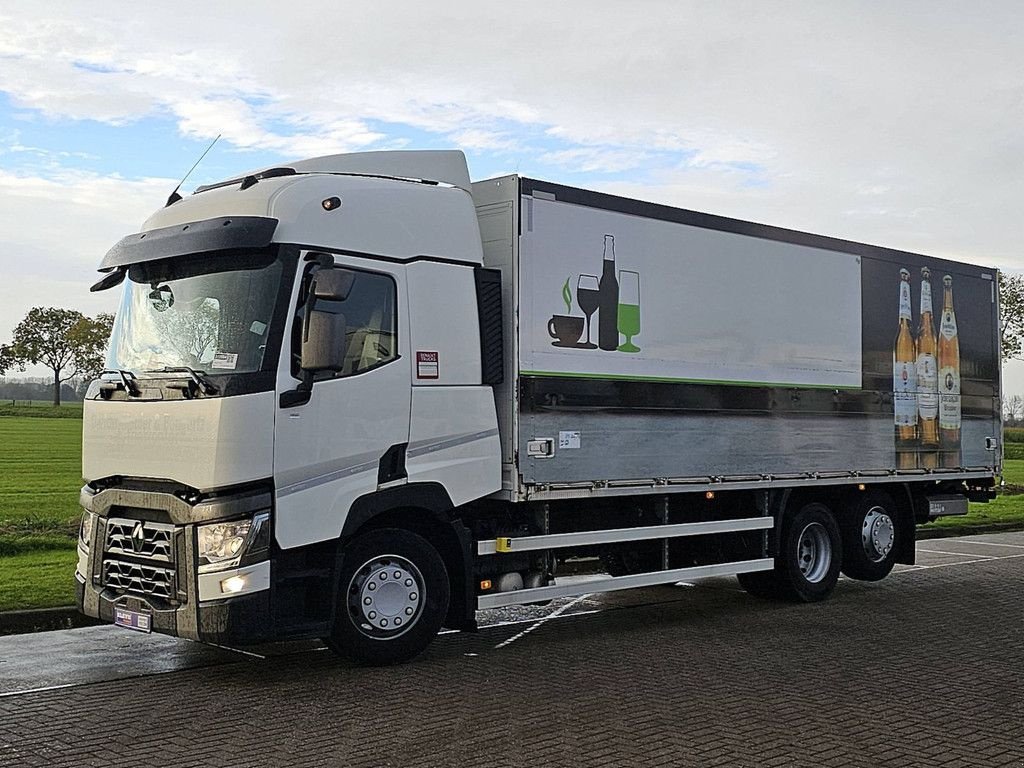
x: 1013, y: 410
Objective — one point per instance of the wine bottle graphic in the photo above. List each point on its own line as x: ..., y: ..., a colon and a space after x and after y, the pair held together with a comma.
x: 608, y: 300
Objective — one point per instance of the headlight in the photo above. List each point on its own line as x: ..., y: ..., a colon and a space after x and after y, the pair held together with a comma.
x: 222, y: 545
x: 85, y: 529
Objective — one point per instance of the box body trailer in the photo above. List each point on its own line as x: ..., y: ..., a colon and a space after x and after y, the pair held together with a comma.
x: 361, y: 397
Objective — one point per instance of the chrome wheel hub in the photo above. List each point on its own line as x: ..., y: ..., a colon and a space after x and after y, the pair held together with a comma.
x: 877, y: 534
x: 814, y: 552
x: 385, y: 596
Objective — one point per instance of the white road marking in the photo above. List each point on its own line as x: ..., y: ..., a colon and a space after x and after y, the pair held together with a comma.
x: 227, y: 648
x: 553, y: 615
x: 993, y: 544
x: 957, y: 554
x: 983, y: 559
x: 40, y: 690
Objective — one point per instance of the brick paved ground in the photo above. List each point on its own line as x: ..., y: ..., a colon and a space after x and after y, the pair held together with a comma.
x: 924, y: 669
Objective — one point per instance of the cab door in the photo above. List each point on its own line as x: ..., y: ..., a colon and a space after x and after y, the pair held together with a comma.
x: 328, y: 452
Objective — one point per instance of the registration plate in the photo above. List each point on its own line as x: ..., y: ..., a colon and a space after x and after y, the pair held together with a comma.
x: 140, y: 622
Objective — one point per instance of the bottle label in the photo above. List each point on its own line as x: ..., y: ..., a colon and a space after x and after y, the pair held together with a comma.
x: 904, y: 393
x: 927, y: 386
x: 948, y: 325
x: 926, y: 296
x: 949, y: 398
x: 904, y: 300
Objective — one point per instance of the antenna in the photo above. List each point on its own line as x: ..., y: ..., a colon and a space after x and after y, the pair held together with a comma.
x: 174, y: 196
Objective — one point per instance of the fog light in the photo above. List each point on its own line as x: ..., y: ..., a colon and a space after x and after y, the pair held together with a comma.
x: 234, y: 584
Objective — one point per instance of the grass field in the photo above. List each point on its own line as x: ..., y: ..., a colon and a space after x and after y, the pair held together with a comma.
x: 40, y: 477
x: 36, y: 410
x: 38, y: 579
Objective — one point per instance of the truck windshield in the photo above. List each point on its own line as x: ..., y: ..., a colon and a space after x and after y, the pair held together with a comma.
x: 211, y: 313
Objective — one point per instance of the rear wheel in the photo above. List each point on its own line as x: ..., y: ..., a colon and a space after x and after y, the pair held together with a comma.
x: 871, y: 537
x: 393, y: 595
x: 808, y: 562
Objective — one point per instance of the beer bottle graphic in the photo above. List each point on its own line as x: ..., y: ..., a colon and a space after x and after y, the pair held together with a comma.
x: 608, y: 300
x: 904, y: 382
x: 927, y: 379
x: 949, y: 380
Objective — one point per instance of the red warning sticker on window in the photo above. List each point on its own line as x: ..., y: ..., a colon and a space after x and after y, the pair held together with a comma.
x: 428, y: 365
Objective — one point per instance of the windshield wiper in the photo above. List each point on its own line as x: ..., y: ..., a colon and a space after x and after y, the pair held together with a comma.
x: 128, y: 380
x: 206, y: 386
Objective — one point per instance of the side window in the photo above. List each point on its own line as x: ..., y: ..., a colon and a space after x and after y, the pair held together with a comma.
x: 370, y: 322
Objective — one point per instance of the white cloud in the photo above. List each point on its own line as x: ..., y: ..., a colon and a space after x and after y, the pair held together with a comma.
x: 889, y: 123
x: 54, y: 231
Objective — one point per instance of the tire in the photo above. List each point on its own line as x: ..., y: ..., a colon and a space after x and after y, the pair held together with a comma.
x: 810, y: 555
x: 871, y: 537
x: 393, y: 595
x: 808, y: 561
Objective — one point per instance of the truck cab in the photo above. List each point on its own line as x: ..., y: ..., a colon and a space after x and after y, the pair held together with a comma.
x: 295, y: 351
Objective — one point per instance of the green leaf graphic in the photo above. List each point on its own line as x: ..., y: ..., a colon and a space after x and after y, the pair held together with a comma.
x: 567, y: 295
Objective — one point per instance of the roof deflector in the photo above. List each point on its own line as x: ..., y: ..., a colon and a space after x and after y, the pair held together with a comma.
x: 447, y: 166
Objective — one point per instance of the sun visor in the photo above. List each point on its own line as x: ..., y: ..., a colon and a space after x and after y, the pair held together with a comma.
x: 220, y: 234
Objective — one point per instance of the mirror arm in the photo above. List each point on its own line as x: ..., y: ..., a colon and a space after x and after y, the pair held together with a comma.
x: 302, y: 393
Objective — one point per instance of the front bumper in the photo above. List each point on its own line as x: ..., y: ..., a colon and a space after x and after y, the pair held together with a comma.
x: 241, y: 620
x: 190, y: 604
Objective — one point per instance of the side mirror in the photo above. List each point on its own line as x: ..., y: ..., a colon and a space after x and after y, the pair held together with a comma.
x: 331, y: 284
x: 323, y: 341
x: 323, y: 332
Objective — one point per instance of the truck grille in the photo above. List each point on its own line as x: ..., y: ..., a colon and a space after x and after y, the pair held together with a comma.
x: 139, y: 538
x: 144, y: 579
x: 139, y: 557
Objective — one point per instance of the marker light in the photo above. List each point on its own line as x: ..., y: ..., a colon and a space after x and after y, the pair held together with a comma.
x: 709, y: 495
x: 485, y: 584
x: 860, y: 486
x: 331, y: 203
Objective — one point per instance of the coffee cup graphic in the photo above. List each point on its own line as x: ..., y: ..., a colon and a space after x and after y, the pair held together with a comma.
x: 565, y: 329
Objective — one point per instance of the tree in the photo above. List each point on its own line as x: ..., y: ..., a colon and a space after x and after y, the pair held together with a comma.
x: 1013, y: 410
x: 1011, y: 315
x: 90, y: 337
x: 6, y: 359
x: 64, y: 340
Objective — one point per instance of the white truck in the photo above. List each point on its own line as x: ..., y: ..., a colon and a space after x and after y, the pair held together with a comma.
x: 360, y: 398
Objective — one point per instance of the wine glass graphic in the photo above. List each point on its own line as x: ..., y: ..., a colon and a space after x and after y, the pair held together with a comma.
x: 629, y: 309
x: 588, y: 299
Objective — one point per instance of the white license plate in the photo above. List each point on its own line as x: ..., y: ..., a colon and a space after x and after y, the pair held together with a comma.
x: 140, y: 622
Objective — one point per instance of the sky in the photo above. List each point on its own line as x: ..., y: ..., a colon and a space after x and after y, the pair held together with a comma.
x: 898, y: 124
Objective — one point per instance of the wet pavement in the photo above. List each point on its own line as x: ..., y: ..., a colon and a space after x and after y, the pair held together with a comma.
x: 924, y: 668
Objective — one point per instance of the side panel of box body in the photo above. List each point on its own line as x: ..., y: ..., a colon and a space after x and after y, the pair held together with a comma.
x: 728, y: 349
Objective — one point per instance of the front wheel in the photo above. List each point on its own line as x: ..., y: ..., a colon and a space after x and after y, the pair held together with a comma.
x: 392, y: 597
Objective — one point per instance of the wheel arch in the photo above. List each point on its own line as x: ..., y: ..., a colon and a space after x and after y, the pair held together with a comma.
x: 425, y: 509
